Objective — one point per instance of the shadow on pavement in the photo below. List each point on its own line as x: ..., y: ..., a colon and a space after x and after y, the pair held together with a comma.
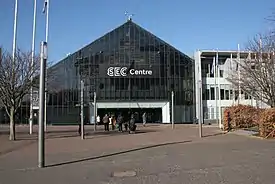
x: 32, y: 139
x: 115, y: 132
x: 35, y: 137
x: 15, y: 148
x: 216, y: 134
x: 89, y: 134
x: 24, y: 132
x: 117, y: 153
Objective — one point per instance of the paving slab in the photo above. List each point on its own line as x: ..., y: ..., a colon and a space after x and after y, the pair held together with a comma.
x: 161, y: 156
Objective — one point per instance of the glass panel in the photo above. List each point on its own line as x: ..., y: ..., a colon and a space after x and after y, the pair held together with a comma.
x: 126, y: 46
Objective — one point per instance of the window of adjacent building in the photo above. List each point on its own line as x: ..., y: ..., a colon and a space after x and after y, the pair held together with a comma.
x: 207, y: 94
x: 206, y: 70
x: 247, y: 96
x: 227, y: 95
x: 204, y: 94
x: 212, y: 93
x: 206, y: 67
x: 211, y: 74
x: 221, y: 73
x: 222, y: 94
x: 237, y: 96
x: 231, y: 96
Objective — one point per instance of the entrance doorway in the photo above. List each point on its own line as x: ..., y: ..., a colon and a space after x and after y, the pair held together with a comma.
x: 154, y: 115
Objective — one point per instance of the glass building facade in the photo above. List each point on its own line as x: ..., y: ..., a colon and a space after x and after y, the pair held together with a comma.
x: 127, y: 65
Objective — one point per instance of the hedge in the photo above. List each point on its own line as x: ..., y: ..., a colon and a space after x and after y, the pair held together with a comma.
x: 241, y: 116
x: 246, y: 116
x: 267, y: 123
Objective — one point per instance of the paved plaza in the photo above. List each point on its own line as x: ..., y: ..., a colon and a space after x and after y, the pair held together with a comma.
x: 156, y: 154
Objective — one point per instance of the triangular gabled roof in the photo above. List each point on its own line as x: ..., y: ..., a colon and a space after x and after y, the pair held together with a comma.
x: 129, y: 23
x: 164, y: 42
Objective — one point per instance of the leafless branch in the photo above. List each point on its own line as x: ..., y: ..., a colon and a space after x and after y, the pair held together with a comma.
x: 16, y: 76
x: 15, y: 80
x: 257, y: 72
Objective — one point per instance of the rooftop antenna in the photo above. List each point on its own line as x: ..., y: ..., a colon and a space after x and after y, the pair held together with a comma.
x: 129, y: 16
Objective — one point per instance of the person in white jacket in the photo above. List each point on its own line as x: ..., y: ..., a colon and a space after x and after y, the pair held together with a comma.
x: 98, y: 119
x: 144, y: 118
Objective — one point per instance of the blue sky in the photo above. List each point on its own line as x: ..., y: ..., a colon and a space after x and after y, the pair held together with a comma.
x: 186, y: 24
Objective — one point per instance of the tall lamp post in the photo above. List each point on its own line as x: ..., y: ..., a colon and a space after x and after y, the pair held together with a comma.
x: 41, y: 138
x: 46, y: 10
x: 42, y: 94
x: 32, y: 63
x: 81, y: 86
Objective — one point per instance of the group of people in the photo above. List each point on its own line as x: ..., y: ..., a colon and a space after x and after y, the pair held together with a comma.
x: 119, y: 121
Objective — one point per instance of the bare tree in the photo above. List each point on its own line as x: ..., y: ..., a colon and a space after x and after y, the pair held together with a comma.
x: 256, y: 73
x: 15, y: 82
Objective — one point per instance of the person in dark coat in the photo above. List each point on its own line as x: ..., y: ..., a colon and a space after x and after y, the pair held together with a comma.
x: 106, y: 122
x: 79, y: 129
x: 120, y: 122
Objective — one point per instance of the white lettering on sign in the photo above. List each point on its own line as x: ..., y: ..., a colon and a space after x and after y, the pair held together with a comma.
x: 121, y: 71
x: 117, y: 71
x: 141, y: 72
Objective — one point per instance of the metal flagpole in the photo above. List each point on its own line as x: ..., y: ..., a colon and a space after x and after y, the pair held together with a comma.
x: 251, y: 93
x: 32, y: 63
x: 82, y: 108
x: 239, y: 75
x: 261, y: 59
x: 172, y: 108
x: 47, y: 19
x: 215, y: 92
x: 14, y: 35
x: 200, y: 112
x: 232, y: 87
x: 256, y: 99
x: 219, y: 89
x: 46, y: 10
x: 95, y: 110
x: 14, y: 30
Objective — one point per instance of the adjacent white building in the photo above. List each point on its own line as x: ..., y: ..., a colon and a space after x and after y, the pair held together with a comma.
x: 210, y: 103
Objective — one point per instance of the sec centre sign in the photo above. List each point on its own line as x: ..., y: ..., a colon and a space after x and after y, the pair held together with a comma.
x: 122, y: 72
